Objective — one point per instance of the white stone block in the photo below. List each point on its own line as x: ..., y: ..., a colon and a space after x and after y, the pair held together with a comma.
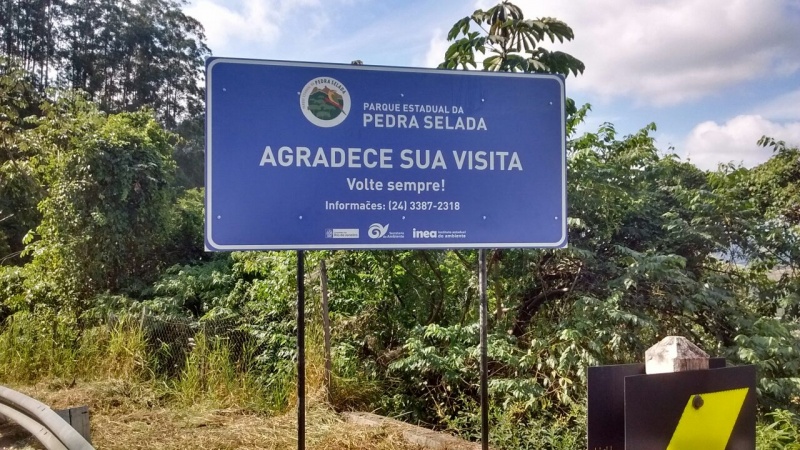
x: 675, y: 354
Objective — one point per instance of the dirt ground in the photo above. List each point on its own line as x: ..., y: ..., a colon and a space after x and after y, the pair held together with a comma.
x: 132, y: 416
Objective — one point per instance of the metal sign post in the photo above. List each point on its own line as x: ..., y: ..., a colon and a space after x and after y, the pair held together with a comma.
x: 301, y: 352
x: 308, y: 156
x: 484, y: 351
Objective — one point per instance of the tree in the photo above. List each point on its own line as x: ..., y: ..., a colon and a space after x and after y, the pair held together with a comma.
x: 513, y: 43
x: 105, y: 217
x: 28, y: 34
x: 129, y: 54
x: 125, y: 54
x: 776, y: 183
x: 20, y: 191
x: 132, y: 54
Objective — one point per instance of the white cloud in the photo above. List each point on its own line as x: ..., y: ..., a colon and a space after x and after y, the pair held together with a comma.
x: 250, y: 21
x: 436, y: 48
x: 374, y: 31
x: 784, y: 107
x: 671, y: 51
x: 382, y: 33
x: 710, y: 143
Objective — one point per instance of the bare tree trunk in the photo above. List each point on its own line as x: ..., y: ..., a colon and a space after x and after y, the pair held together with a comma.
x: 495, y: 260
x: 326, y: 327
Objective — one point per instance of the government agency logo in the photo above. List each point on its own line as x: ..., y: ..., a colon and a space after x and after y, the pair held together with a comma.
x: 380, y: 231
x: 325, y: 102
x: 377, y: 230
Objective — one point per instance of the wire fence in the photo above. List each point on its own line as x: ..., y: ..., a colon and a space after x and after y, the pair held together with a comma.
x: 170, y: 340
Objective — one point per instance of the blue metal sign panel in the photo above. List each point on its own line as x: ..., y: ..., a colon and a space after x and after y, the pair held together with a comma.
x: 327, y: 156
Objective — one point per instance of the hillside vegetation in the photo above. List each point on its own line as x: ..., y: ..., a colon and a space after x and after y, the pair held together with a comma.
x: 106, y: 292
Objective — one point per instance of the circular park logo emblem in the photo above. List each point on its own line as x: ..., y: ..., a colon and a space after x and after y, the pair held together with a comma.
x: 325, y: 102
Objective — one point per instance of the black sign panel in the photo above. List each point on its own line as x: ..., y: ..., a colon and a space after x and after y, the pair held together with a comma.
x: 606, y: 412
x: 702, y: 409
x: 606, y: 415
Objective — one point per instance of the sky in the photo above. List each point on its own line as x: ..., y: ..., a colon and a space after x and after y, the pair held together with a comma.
x: 713, y: 75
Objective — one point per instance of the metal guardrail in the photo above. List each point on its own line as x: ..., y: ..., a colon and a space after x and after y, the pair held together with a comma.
x: 41, y: 421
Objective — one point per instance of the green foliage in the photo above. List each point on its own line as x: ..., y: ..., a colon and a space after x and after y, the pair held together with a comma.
x: 19, y: 189
x: 12, y: 291
x: 44, y: 344
x: 28, y: 35
x: 124, y: 54
x: 774, y: 189
x: 37, y: 345
x: 109, y: 181
x: 775, y: 185
x: 513, y: 43
x: 657, y: 247
x: 265, y: 297
x: 355, y: 385
x: 190, y: 152
x: 184, y: 244
x: 511, y: 430
x: 192, y: 290
x: 439, y: 373
x: 438, y: 364
x: 779, y: 431
x: 536, y: 392
x: 772, y: 346
x: 212, y: 374
x: 47, y: 345
x: 387, y: 293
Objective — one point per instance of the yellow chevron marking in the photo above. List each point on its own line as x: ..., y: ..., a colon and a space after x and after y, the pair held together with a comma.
x: 710, y: 426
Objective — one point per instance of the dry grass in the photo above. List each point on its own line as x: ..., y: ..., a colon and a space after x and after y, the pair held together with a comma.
x: 127, y: 415
x: 210, y: 405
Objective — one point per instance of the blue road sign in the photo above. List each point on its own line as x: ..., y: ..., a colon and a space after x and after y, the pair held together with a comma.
x: 327, y: 156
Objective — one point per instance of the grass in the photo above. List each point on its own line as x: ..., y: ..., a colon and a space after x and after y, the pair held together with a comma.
x: 38, y: 346
x: 214, y: 402
x: 211, y: 375
x: 127, y: 415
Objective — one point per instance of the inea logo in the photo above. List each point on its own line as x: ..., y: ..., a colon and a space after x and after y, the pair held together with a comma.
x: 423, y: 234
x: 377, y: 230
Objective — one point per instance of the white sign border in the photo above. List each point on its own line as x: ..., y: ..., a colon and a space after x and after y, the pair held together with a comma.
x: 208, y: 238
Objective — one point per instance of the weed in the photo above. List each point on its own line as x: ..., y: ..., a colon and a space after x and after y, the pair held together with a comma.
x: 781, y: 433
x: 213, y: 376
